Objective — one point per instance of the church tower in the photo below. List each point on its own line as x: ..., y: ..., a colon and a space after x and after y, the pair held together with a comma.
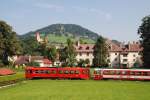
x: 38, y: 38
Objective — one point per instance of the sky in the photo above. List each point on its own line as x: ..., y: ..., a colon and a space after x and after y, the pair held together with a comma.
x: 113, y: 19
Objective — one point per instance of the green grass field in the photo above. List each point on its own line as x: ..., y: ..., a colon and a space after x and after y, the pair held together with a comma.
x: 63, y: 39
x: 18, y: 75
x: 77, y: 90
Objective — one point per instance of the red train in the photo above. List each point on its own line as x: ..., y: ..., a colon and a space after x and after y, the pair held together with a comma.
x: 57, y: 73
x: 84, y: 73
x: 123, y: 74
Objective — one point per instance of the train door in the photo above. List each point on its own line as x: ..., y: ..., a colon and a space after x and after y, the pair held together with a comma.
x: 28, y: 73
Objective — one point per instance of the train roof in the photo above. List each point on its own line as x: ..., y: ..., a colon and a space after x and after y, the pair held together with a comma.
x: 122, y: 69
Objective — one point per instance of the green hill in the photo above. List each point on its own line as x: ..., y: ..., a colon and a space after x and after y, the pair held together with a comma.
x: 58, y: 33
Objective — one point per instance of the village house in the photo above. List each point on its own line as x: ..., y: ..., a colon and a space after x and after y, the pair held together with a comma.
x: 24, y: 60
x: 125, y: 56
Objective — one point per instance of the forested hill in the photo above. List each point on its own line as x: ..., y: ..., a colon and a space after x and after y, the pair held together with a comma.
x: 66, y: 30
x: 59, y: 33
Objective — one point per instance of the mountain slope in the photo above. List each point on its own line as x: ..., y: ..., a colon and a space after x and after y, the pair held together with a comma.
x: 65, y: 29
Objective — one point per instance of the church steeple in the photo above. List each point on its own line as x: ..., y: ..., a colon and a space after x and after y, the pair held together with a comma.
x: 38, y: 38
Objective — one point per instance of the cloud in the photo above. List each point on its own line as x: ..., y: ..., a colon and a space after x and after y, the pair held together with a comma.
x: 50, y: 6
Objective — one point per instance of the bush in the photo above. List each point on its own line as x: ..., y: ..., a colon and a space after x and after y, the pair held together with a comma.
x: 33, y: 64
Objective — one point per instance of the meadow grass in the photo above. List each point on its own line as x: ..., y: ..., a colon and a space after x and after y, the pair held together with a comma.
x: 77, y: 90
x: 63, y: 39
x: 18, y: 75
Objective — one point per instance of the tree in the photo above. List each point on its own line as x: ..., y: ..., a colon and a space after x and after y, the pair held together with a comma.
x: 100, y: 53
x: 83, y: 63
x: 52, y: 53
x: 9, y: 42
x: 30, y: 46
x: 69, y: 54
x: 144, y: 31
x: 33, y: 64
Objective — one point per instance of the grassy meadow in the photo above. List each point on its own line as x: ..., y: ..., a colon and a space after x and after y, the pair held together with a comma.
x: 63, y: 39
x: 18, y: 75
x: 77, y: 90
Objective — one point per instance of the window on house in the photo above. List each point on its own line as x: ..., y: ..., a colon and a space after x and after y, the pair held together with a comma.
x: 133, y: 59
x: 80, y: 54
x: 108, y: 60
x: 125, y: 60
x: 134, y: 55
x: 115, y: 59
x: 80, y: 48
x: 87, y: 54
x: 125, y: 55
x: 115, y: 53
x: 87, y: 48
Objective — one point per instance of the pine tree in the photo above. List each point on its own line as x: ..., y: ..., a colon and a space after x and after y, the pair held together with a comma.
x: 69, y: 54
x: 144, y: 31
x: 100, y: 53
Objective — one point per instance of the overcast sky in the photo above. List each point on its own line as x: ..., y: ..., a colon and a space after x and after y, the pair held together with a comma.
x: 114, y: 19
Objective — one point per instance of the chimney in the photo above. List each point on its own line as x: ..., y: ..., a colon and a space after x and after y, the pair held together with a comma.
x: 129, y: 45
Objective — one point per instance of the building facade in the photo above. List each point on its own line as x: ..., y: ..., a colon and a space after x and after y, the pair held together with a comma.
x: 125, y: 56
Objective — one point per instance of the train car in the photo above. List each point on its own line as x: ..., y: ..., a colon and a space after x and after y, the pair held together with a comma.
x: 122, y: 74
x: 40, y: 72
x: 73, y: 73
x: 57, y: 73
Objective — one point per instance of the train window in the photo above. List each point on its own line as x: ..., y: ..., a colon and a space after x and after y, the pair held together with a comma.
x: 138, y: 73
x: 106, y: 72
x: 112, y: 72
x: 47, y: 71
x: 61, y: 72
x: 124, y: 72
x: 36, y: 71
x: 148, y: 73
x: 145, y: 73
x: 41, y: 71
x: 66, y: 72
x: 77, y: 72
x: 72, y: 72
x: 118, y: 72
x: 53, y: 71
x: 132, y: 73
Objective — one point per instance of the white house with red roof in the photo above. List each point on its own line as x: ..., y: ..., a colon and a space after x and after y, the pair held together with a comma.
x: 44, y: 62
x: 119, y: 55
